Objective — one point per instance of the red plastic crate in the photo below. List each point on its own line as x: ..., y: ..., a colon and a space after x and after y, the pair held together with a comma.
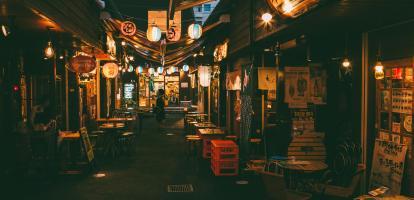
x: 224, y: 150
x: 225, y: 168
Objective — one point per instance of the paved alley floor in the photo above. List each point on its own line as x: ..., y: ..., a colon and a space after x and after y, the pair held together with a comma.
x: 159, y: 160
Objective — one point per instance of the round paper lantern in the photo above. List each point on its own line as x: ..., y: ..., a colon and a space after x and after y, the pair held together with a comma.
x: 160, y: 70
x: 130, y: 68
x: 139, y: 70
x: 204, y: 74
x: 151, y: 70
x: 82, y: 64
x: 195, y: 31
x: 154, y: 33
x: 110, y: 70
x: 186, y: 68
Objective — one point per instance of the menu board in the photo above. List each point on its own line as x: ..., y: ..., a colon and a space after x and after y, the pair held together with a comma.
x: 388, y: 165
x: 302, y: 121
x: 86, y: 144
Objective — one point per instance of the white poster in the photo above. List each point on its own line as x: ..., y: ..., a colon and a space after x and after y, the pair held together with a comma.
x: 297, y: 84
x: 317, y: 88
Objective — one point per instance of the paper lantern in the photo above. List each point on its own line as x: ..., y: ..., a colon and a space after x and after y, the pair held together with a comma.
x: 110, y: 70
x: 204, y: 74
x: 82, y: 64
x: 130, y: 68
x: 151, y: 70
x: 186, y: 68
x: 195, y: 31
x: 379, y: 71
x: 154, y: 33
x: 139, y: 70
x: 160, y: 70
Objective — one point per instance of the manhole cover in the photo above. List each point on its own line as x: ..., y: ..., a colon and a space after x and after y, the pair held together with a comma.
x: 180, y: 188
x: 170, y: 134
x: 242, y: 182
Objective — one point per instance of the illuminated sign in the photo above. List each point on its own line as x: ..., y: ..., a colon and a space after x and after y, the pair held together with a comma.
x: 128, y: 90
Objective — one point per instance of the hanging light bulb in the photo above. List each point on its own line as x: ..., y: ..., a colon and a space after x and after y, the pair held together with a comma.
x: 267, y: 17
x: 379, y: 70
x: 123, y: 43
x: 119, y: 68
x: 160, y: 70
x: 49, y: 52
x: 131, y: 58
x: 169, y: 71
x: 130, y: 68
x: 346, y: 63
x: 186, y: 68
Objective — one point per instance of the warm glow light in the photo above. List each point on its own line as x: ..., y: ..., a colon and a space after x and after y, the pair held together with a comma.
x: 131, y: 58
x: 156, y: 74
x: 195, y: 31
x: 195, y: 55
x: 5, y: 30
x: 49, y: 52
x: 61, y: 57
x: 110, y: 70
x: 346, y: 63
x: 287, y: 6
x: 169, y: 71
x: 186, y: 68
x: 267, y: 17
x: 379, y: 71
x: 154, y: 33
x: 123, y: 43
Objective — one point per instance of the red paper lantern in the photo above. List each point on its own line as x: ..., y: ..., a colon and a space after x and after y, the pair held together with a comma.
x: 82, y: 64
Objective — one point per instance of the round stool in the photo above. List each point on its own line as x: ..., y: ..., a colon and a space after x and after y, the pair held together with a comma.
x: 126, y: 141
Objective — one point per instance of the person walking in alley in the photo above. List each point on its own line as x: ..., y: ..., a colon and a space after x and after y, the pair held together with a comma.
x: 159, y: 108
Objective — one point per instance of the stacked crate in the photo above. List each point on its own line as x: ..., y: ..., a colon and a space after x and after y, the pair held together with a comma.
x: 224, y: 158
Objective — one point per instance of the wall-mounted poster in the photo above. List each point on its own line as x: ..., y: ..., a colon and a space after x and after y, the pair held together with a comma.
x: 184, y: 85
x: 233, y: 81
x: 317, y: 90
x: 267, y: 78
x: 297, y: 86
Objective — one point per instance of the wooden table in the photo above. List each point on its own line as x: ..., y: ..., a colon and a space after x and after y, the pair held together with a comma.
x: 210, y: 131
x: 203, y: 125
x: 298, y: 172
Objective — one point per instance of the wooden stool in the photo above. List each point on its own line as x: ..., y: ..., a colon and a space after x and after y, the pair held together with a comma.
x: 126, y: 141
x: 255, y: 145
x: 193, y: 143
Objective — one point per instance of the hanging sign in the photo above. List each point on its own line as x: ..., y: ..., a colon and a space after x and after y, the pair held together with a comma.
x: 110, y: 70
x: 388, y: 165
x: 128, y: 90
x: 220, y: 52
x: 267, y: 78
x: 82, y: 64
x: 110, y: 45
x: 174, y: 30
x: 128, y: 28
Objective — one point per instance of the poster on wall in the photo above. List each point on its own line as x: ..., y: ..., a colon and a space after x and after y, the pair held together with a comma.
x: 267, y: 78
x: 233, y: 81
x: 317, y: 90
x: 388, y: 165
x: 297, y: 86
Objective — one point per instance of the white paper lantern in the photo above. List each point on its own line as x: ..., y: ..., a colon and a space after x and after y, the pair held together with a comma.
x: 110, y: 70
x: 160, y: 70
x: 204, y: 75
x: 151, y: 70
x: 186, y: 68
x: 154, y: 33
x: 195, y: 31
x: 139, y: 70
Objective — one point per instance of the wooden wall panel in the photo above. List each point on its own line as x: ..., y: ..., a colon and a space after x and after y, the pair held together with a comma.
x: 239, y: 26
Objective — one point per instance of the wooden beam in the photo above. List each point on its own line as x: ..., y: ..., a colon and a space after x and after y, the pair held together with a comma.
x: 191, y: 4
x: 171, y: 10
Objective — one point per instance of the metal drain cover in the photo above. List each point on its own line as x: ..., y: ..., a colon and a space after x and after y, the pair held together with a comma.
x: 180, y: 188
